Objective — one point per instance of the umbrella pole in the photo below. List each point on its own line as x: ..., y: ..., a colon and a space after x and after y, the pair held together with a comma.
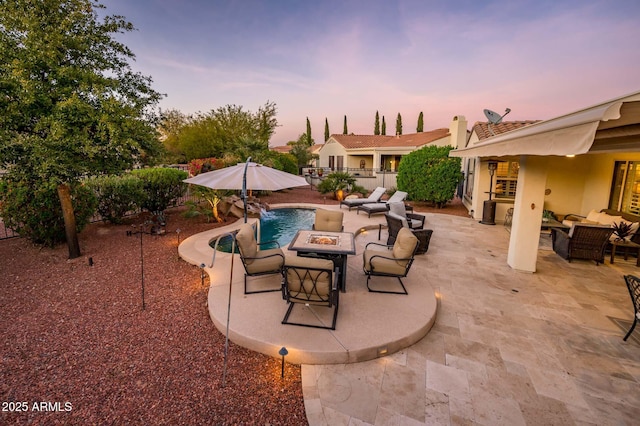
x: 244, y: 188
x: 226, y: 339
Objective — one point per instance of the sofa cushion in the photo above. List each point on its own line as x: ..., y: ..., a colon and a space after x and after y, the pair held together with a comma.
x: 606, y: 219
x: 594, y: 216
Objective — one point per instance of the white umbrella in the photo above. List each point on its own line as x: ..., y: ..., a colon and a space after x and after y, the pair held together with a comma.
x: 259, y: 178
x: 248, y: 175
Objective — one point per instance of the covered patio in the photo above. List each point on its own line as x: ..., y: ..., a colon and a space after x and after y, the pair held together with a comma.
x: 566, y: 164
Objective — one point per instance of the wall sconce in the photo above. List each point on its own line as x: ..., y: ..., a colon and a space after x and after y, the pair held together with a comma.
x: 636, y: 188
x: 283, y: 352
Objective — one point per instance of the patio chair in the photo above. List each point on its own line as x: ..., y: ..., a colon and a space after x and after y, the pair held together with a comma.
x: 374, y: 208
x: 258, y: 262
x: 328, y: 220
x: 409, y: 220
x: 633, y: 284
x: 396, y: 222
x: 311, y: 282
x: 583, y: 241
x: 374, y: 197
x: 395, y: 261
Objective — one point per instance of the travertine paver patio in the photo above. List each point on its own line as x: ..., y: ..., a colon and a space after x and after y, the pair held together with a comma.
x: 508, y: 348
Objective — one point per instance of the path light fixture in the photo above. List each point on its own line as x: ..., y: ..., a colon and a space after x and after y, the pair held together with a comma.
x: 142, y: 230
x: 283, y: 352
x: 202, y: 266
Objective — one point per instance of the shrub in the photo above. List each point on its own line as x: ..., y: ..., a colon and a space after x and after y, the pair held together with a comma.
x: 340, y: 180
x: 162, y: 187
x: 429, y: 174
x: 33, y: 210
x: 203, y: 165
x: 117, y: 195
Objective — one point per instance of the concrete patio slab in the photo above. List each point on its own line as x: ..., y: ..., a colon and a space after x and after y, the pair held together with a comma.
x: 369, y: 325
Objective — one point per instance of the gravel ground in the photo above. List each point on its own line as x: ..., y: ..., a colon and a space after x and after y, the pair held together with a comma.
x: 77, y: 347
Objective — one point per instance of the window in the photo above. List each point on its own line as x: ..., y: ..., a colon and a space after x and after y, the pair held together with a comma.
x: 471, y: 165
x: 625, y: 187
x: 507, y: 179
x: 332, y: 162
x: 340, y: 162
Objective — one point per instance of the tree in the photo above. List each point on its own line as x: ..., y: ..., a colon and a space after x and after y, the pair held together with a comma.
x: 384, y: 126
x: 429, y: 174
x: 420, y: 127
x: 326, y: 129
x: 228, y: 130
x: 71, y: 106
x: 376, y: 126
x: 344, y: 131
x: 300, y: 150
x: 309, y: 139
x: 399, y: 124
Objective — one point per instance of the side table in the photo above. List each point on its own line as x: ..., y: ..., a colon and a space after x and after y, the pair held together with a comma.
x: 627, y: 245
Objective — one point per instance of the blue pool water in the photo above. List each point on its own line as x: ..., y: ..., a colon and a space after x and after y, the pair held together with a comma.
x: 280, y: 225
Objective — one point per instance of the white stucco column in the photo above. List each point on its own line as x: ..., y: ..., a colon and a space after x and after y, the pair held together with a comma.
x: 527, y: 214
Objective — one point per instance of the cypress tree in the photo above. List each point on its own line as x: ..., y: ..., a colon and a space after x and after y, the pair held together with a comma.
x: 376, y: 127
x: 344, y: 131
x: 420, y: 127
x: 399, y: 125
x: 384, y: 127
x: 309, y: 140
x: 326, y: 129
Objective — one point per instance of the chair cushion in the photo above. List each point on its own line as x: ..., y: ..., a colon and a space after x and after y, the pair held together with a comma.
x: 328, y: 220
x: 404, y: 246
x: 395, y: 216
x: 246, y: 240
x: 606, y: 219
x: 397, y: 196
x: 381, y: 265
x: 300, y: 279
x: 594, y: 216
x: 265, y: 261
x: 398, y: 208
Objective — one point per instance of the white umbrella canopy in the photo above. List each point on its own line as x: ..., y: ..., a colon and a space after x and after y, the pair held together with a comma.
x: 259, y: 178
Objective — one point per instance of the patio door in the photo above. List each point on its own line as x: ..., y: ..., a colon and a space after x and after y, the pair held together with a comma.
x: 625, y: 188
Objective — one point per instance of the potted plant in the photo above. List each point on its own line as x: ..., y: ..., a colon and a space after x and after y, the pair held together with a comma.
x: 621, y: 230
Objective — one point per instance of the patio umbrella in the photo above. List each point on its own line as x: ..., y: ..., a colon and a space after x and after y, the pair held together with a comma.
x: 248, y: 175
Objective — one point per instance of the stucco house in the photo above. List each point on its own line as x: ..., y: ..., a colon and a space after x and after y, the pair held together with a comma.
x: 582, y: 161
x: 367, y: 155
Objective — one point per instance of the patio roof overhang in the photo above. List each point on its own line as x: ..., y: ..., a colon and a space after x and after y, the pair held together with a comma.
x: 611, y: 126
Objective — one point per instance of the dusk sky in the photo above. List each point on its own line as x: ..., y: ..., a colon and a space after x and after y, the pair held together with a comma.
x: 318, y: 59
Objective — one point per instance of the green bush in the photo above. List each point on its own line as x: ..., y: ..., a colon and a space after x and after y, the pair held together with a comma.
x: 429, y: 174
x: 33, y: 210
x: 162, y: 187
x: 117, y: 195
x: 335, y: 181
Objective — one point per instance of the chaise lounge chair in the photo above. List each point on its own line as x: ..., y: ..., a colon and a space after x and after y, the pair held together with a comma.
x: 374, y: 197
x: 374, y: 208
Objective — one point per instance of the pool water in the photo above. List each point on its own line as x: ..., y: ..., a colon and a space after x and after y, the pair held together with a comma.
x: 278, y: 225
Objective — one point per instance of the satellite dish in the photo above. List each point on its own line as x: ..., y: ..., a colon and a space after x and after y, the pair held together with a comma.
x: 494, y: 117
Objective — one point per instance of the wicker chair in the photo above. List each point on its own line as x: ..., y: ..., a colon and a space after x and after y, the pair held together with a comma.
x: 583, y: 241
x: 394, y: 224
x: 633, y: 284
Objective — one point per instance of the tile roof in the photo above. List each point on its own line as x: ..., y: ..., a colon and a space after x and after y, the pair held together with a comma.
x: 482, y: 127
x: 379, y: 141
x: 287, y: 148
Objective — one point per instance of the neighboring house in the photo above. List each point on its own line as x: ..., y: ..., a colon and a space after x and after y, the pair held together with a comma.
x: 574, y: 163
x: 506, y: 175
x: 285, y: 149
x: 367, y: 155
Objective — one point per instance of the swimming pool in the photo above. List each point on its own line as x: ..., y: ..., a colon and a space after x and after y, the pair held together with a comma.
x: 278, y: 225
